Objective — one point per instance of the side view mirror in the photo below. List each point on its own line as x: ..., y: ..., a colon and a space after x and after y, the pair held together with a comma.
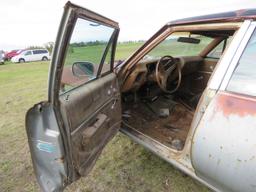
x: 83, y: 69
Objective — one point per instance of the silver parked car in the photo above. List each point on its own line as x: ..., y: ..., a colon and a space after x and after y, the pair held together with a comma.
x: 188, y: 95
x: 1, y: 57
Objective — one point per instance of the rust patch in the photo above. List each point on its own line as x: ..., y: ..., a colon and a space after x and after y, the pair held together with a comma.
x: 239, y: 105
x: 164, y: 130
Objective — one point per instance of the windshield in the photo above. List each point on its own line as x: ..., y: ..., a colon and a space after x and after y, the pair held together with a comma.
x: 23, y: 52
x: 179, y: 44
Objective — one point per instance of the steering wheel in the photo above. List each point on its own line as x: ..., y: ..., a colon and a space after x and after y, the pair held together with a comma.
x: 164, y: 67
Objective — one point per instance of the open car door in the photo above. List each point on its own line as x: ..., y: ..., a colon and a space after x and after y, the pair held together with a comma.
x: 67, y: 133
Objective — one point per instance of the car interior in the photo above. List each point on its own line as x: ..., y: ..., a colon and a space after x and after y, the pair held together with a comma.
x: 161, y: 94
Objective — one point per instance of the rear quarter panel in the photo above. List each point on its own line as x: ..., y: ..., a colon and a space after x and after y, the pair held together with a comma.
x: 224, y: 144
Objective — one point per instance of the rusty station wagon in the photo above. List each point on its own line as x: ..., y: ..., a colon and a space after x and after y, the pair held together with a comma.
x: 187, y: 95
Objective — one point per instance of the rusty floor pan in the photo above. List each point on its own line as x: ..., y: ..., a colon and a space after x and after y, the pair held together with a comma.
x: 170, y: 130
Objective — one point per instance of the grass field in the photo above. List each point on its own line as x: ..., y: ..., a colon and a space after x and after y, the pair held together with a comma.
x: 123, y: 166
x: 92, y: 53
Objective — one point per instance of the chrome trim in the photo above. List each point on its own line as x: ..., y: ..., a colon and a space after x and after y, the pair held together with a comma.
x: 225, y: 61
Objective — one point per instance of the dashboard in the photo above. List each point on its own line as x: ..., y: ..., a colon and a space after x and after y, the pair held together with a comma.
x: 145, y: 71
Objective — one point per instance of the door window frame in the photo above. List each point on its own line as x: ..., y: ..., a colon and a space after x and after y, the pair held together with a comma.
x: 68, y: 22
x: 222, y: 43
x: 110, y: 45
x: 237, y: 56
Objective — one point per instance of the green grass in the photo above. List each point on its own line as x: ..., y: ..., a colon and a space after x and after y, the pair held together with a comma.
x: 93, y: 53
x: 123, y: 166
x: 124, y: 50
x: 175, y: 49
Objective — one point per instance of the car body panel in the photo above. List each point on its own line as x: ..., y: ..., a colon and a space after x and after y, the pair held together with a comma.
x: 46, y: 148
x: 2, y: 57
x: 12, y: 53
x: 223, y: 150
x: 231, y: 16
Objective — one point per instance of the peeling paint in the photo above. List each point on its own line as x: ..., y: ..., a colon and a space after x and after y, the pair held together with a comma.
x: 231, y: 104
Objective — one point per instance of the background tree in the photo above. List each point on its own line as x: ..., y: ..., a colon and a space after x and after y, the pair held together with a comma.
x: 49, y: 46
x: 35, y: 47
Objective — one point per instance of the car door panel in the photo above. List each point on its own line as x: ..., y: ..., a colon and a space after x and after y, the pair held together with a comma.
x: 46, y: 147
x: 33, y: 57
x: 92, y: 96
x: 67, y: 133
x: 37, y: 57
x: 93, y: 113
x: 223, y: 150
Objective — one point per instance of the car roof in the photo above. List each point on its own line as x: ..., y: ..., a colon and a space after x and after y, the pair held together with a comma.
x: 35, y: 49
x: 231, y: 16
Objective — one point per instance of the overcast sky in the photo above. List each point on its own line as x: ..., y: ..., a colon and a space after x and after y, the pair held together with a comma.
x: 33, y: 22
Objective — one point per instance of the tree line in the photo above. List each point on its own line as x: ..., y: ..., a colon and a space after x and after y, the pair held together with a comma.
x: 49, y: 45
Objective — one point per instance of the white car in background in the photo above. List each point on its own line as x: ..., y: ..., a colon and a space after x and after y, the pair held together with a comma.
x: 1, y: 57
x: 31, y: 55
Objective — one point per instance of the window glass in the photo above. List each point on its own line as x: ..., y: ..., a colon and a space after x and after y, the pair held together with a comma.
x: 243, y: 79
x: 217, y: 51
x: 28, y: 53
x: 85, y: 52
x: 36, y: 51
x: 174, y: 46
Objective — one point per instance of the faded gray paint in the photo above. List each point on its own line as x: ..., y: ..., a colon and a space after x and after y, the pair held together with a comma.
x: 46, y: 147
x: 224, y: 144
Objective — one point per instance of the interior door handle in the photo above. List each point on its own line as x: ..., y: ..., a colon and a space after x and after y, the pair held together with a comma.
x: 90, y: 131
x: 100, y: 120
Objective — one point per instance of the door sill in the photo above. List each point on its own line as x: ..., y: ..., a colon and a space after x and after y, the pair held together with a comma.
x: 170, y: 155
